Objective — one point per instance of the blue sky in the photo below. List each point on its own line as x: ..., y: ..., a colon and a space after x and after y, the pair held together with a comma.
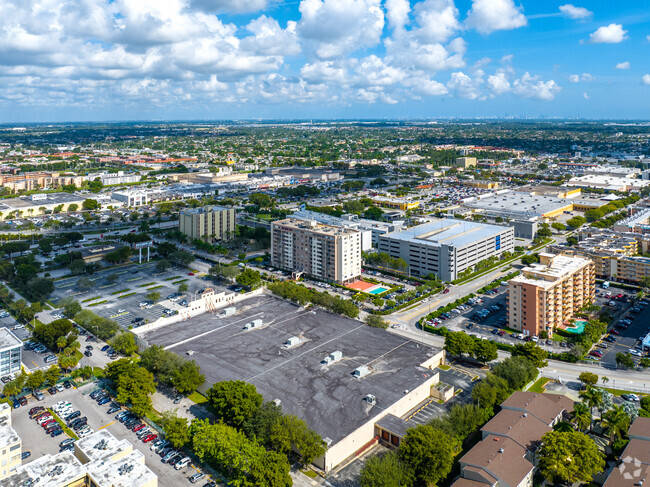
x: 66, y: 60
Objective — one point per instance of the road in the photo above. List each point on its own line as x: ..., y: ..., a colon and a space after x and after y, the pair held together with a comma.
x: 564, y: 371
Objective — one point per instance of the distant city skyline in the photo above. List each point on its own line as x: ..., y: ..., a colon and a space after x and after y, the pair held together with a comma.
x: 94, y: 60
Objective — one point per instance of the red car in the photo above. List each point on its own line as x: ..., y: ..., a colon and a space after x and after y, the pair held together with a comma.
x: 595, y: 353
x: 138, y: 427
x: 190, y: 273
x: 613, y: 332
x: 48, y: 422
x: 149, y: 438
x: 445, y: 291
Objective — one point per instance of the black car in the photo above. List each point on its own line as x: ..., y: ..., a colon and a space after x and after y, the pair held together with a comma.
x: 137, y: 320
x: 67, y: 384
x: 105, y: 347
x: 88, y: 353
x: 72, y: 416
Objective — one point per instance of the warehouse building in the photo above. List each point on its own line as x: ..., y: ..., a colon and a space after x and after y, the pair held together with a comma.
x: 447, y: 247
x: 338, y: 375
x: 519, y: 205
x: 10, y: 352
x: 208, y: 223
x: 322, y: 251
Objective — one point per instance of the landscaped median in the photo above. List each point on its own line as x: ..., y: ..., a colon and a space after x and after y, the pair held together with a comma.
x: 66, y: 430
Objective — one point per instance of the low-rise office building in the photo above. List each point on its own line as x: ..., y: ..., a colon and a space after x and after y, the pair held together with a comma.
x: 322, y: 251
x: 210, y: 223
x: 131, y: 198
x: 395, y: 203
x: 465, y: 162
x: 547, y: 295
x: 447, y: 247
x: 10, y: 352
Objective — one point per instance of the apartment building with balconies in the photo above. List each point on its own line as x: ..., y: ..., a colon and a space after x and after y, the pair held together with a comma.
x: 209, y: 223
x: 546, y: 295
x: 325, y: 252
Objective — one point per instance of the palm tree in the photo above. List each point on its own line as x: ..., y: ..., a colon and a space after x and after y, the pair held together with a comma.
x: 615, y: 423
x: 593, y: 398
x: 581, y: 416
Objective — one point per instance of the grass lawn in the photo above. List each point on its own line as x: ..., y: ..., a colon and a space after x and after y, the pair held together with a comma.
x: 619, y: 392
x: 309, y: 473
x: 539, y: 384
x: 66, y: 430
x: 444, y: 367
x: 197, y: 398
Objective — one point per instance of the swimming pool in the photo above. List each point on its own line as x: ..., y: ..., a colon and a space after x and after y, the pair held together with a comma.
x: 378, y: 290
x: 578, y: 327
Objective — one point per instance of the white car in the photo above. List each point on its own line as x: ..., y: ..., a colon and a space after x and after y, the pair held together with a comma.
x: 634, y: 352
x: 57, y: 316
x: 121, y: 310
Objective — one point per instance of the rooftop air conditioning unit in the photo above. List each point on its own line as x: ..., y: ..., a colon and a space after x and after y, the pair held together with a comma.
x: 370, y: 399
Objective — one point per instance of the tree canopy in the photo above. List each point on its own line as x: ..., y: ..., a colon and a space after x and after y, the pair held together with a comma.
x: 234, y: 401
x: 569, y: 457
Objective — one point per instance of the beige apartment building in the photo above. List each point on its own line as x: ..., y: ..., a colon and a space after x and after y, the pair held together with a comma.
x: 548, y: 294
x: 322, y: 251
x: 209, y: 223
x: 615, y: 256
x: 10, y: 444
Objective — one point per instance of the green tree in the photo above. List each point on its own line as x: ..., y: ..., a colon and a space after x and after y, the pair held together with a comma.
x: 125, y: 343
x: 491, y: 391
x: 458, y: 343
x: 181, y: 258
x: 517, y: 371
x: 581, y: 416
x: 428, y: 452
x: 625, y: 360
x: 260, y: 199
x: 249, y: 278
x: 188, y: 377
x: 234, y: 401
x: 588, y: 379
x: 292, y: 432
x: 484, y: 350
x: 90, y: 205
x: 134, y: 385
x: 70, y: 307
x: 576, y: 221
x: 569, y: 457
x: 376, y: 321
x: 51, y: 375
x: 183, y: 287
x: 162, y: 265
x: 374, y: 213
x: 532, y: 352
x: 153, y: 296
x: 226, y: 272
x: 259, y: 426
x: 177, y: 430
x: 559, y: 227
x: 35, y: 380
x: 385, y: 471
x: 615, y: 422
x: 593, y: 398
x: 594, y: 214
x: 85, y: 284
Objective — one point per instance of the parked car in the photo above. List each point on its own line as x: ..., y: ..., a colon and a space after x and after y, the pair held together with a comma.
x: 149, y: 438
x: 196, y: 477
x: 25, y: 454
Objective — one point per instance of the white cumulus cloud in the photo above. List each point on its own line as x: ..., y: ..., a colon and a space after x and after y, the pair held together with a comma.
x: 574, y: 12
x: 498, y: 83
x: 623, y: 65
x: 338, y: 27
x: 529, y: 86
x: 487, y: 16
x: 646, y: 79
x: 608, y: 34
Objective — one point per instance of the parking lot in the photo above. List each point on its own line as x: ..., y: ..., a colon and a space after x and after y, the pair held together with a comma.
x: 626, y: 338
x: 36, y: 441
x: 491, y: 326
x: 119, y: 298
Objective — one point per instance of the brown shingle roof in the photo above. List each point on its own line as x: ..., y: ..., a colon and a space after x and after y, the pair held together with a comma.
x: 501, y: 458
x: 546, y: 407
x: 524, y: 428
x: 640, y: 428
x: 628, y: 475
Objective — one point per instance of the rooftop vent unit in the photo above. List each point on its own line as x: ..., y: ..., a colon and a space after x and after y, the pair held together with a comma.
x: 292, y: 341
x: 501, y: 450
x: 332, y: 357
x: 370, y: 399
x: 253, y: 324
x: 327, y: 441
x: 361, y: 371
x: 125, y: 469
x: 102, y: 445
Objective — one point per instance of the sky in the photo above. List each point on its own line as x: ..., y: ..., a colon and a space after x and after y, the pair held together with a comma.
x: 95, y: 60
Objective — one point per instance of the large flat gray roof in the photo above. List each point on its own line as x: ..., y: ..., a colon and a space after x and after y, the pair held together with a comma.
x: 328, y: 398
x: 8, y: 339
x: 519, y: 202
x: 452, y: 232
